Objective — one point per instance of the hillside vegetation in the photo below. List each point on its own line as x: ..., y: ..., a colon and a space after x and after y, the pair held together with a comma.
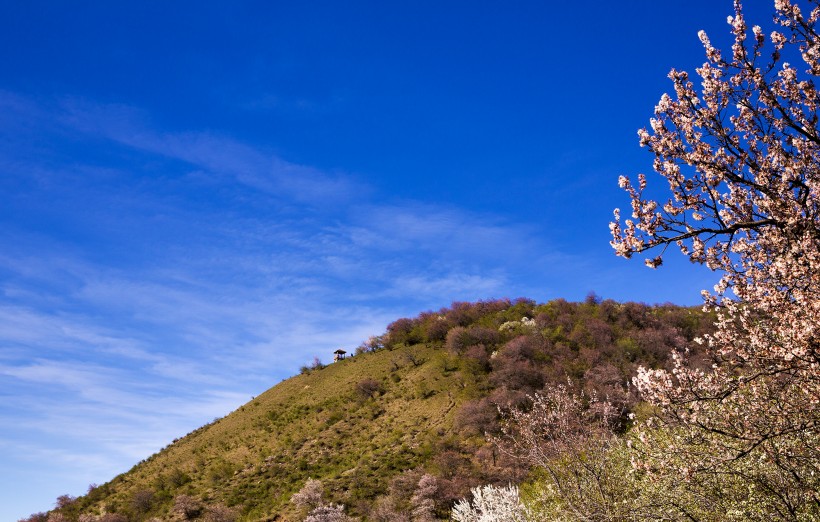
x: 422, y: 398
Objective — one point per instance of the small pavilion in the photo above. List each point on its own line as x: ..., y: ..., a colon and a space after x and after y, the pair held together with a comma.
x: 338, y: 355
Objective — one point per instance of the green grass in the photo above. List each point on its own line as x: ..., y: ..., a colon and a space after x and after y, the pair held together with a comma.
x: 311, y: 425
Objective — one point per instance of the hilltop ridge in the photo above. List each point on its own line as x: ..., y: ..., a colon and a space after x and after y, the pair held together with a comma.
x: 421, y: 398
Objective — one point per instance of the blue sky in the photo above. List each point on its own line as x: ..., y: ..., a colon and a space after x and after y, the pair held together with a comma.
x: 199, y: 197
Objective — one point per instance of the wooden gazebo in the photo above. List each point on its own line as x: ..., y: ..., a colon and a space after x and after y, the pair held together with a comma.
x: 338, y: 355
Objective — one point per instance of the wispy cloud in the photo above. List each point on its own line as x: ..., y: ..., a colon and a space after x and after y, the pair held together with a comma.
x: 216, y: 154
x: 457, y: 286
x: 436, y: 228
x: 141, y: 281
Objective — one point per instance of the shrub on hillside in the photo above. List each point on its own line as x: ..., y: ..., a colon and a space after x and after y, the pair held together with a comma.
x: 142, y: 500
x: 372, y: 344
x: 65, y: 501
x: 459, y: 339
x: 367, y: 388
x: 422, y: 502
x: 476, y: 359
x: 476, y: 418
x: 187, y: 506
x: 516, y: 373
x: 220, y: 513
x: 329, y: 513
x: 435, y: 328
x: 310, y: 496
x: 403, y: 331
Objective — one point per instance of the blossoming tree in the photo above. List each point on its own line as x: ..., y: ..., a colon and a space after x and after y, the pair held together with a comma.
x: 740, y: 152
x: 491, y: 504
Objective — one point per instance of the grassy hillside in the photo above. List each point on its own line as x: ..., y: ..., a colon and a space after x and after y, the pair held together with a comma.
x: 421, y: 398
x: 312, y: 425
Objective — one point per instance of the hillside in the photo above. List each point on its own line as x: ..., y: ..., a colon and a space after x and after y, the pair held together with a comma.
x: 419, y: 398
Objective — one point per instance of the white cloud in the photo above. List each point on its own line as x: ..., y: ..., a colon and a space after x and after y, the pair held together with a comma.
x: 456, y: 286
x: 412, y: 225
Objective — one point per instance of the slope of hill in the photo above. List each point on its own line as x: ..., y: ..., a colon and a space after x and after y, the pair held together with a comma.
x: 418, y: 399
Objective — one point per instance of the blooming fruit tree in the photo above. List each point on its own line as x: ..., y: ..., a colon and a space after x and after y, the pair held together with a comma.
x: 739, y: 147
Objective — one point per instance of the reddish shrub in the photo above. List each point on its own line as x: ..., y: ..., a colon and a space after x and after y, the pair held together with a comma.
x: 514, y: 372
x: 457, y: 339
x: 142, y: 500
x: 187, y: 506
x: 220, y: 513
x: 402, y: 331
x: 508, y: 399
x: 64, y: 501
x: 460, y: 338
x: 436, y: 328
x: 526, y: 347
x: 367, y: 388
x: 477, y: 418
x: 478, y: 359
